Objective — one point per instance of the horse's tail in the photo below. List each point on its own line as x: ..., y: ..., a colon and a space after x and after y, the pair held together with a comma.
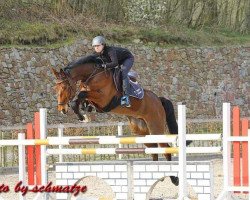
x: 170, y: 116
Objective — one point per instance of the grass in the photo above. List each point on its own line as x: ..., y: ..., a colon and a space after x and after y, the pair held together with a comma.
x: 32, y: 33
x: 35, y: 25
x: 57, y: 32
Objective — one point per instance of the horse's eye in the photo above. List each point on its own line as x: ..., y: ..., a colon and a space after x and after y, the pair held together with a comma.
x: 62, y: 86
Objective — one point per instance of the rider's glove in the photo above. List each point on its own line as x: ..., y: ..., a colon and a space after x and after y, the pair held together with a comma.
x: 104, y: 66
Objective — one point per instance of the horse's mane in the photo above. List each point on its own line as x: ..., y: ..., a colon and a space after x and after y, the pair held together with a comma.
x: 84, y: 60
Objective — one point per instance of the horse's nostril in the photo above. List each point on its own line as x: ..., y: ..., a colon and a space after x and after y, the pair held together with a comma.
x: 63, y: 111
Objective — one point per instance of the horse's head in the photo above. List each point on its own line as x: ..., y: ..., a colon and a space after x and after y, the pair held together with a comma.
x: 65, y: 89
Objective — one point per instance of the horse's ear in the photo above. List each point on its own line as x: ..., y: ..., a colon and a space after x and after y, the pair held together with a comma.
x: 56, y: 74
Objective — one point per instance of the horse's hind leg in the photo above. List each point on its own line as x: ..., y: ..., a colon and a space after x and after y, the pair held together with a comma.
x: 152, y: 145
x: 139, y: 127
x: 159, y: 128
x: 168, y: 156
x: 174, y: 179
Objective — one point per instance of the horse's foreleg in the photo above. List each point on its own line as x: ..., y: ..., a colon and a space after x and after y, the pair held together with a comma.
x: 86, y: 106
x: 75, y: 107
x: 76, y: 104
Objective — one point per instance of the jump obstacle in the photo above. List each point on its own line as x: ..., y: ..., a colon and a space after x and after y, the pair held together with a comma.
x: 134, y: 179
x: 240, y: 165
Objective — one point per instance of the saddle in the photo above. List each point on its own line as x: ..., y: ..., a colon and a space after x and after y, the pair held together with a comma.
x: 135, y: 89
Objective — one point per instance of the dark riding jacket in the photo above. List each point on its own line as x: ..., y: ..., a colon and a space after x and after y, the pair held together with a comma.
x: 114, y: 56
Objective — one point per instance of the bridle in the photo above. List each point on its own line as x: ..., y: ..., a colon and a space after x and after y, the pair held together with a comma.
x: 70, y: 83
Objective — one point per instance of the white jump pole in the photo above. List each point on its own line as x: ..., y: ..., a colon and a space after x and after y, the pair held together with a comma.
x: 226, y: 147
x: 182, y: 152
x: 60, y: 135
x: 43, y: 135
x: 120, y: 133
x: 22, y: 166
x: 226, y: 151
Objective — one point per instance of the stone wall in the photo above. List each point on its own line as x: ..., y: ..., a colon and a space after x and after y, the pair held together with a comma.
x: 137, y: 179
x: 202, y: 77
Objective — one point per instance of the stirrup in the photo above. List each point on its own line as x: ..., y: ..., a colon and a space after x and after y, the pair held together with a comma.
x: 125, y: 101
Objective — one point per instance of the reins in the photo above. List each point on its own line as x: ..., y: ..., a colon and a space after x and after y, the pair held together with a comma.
x: 92, y: 75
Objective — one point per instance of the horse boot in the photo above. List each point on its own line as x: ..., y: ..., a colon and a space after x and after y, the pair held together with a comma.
x: 125, y: 98
x: 86, y: 106
x: 75, y: 107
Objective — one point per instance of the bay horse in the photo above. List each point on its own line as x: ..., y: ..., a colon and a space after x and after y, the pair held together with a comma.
x: 147, y: 116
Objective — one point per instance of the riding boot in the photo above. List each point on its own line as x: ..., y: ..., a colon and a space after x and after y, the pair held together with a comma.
x: 125, y: 98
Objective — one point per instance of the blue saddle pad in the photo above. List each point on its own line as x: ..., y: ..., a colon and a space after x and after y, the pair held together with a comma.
x: 135, y: 90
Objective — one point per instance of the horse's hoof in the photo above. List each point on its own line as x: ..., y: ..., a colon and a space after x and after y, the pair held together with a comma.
x: 85, y: 119
x: 188, y: 142
x: 81, y: 118
x: 175, y: 180
x: 64, y: 112
x: 89, y: 109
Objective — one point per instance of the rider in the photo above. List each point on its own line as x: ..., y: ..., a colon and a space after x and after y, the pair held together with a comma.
x: 114, y: 56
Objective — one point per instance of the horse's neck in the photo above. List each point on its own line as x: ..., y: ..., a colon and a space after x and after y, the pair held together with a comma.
x: 82, y: 72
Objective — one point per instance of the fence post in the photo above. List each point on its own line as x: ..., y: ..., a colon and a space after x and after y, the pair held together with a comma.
x: 182, y: 152
x: 2, y: 152
x: 43, y: 135
x: 21, y: 161
x: 120, y: 133
x: 60, y: 135
x: 226, y: 151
